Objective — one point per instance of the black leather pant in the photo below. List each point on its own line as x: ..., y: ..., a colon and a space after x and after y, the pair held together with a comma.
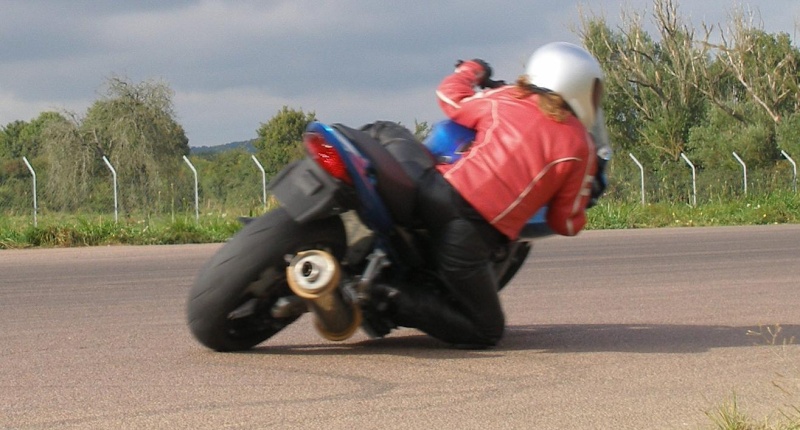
x: 469, y: 314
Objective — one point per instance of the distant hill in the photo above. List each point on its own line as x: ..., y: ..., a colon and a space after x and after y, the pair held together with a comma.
x: 247, y: 145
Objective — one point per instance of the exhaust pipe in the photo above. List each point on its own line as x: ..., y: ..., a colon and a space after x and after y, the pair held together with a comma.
x: 314, y: 276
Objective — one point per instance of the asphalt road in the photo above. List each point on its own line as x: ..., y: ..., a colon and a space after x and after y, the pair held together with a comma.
x: 611, y: 330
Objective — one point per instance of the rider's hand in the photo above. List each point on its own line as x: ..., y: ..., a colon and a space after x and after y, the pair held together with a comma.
x: 483, y: 78
x: 492, y: 84
x: 598, y: 184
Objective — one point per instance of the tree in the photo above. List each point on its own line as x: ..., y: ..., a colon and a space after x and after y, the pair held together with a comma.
x: 712, y: 142
x: 134, y: 126
x: 675, y: 92
x: 653, y: 77
x: 230, y: 179
x: 280, y: 139
x: 754, y: 79
x: 72, y: 164
x: 765, y: 65
x: 24, y: 139
x: 422, y: 130
x: 622, y: 116
x: 788, y: 135
x: 10, y: 141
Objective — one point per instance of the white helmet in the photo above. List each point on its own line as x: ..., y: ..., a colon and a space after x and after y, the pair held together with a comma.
x: 570, y: 71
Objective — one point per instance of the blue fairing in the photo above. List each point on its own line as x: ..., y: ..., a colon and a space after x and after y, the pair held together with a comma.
x: 448, y: 140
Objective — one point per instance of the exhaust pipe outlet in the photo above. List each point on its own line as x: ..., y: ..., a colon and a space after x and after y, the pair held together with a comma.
x: 314, y: 276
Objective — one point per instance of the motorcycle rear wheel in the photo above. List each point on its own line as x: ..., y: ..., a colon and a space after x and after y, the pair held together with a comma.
x: 230, y: 303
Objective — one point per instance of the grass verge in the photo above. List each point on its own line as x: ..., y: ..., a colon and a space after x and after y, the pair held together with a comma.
x: 66, y: 231
x: 55, y: 230
x: 730, y: 415
x: 778, y: 208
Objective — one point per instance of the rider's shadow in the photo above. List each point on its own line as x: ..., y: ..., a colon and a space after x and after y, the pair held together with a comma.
x: 406, y: 342
x: 564, y: 338
x: 643, y: 338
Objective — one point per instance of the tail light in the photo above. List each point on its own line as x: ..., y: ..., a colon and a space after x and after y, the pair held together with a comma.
x: 326, y: 156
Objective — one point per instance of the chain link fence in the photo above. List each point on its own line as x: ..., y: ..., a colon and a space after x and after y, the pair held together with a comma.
x: 25, y: 193
x: 681, y: 182
x: 239, y: 189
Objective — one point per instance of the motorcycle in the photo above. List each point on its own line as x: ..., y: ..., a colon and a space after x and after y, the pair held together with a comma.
x: 301, y: 257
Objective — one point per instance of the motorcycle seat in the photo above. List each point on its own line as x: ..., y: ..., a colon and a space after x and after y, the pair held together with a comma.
x: 394, y: 185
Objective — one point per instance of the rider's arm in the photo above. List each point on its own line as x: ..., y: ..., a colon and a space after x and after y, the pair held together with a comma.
x: 458, y: 88
x: 567, y: 212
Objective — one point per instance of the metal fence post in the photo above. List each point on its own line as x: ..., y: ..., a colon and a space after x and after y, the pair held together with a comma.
x: 694, y: 179
x: 263, y: 180
x: 35, y: 205
x: 794, y: 167
x: 641, y: 173
x: 114, y: 175
x: 744, y: 167
x: 196, y: 194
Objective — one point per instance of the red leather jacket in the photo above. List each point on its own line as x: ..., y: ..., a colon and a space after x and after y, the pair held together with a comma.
x: 521, y: 159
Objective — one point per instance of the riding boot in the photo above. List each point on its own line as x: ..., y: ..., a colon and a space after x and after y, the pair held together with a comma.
x: 375, y: 312
x: 426, y: 309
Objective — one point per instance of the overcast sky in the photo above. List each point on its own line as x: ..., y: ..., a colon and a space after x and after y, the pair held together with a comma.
x: 234, y: 63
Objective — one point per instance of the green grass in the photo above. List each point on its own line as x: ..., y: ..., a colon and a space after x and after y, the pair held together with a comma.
x: 730, y: 416
x: 779, y: 208
x: 69, y: 231
x: 59, y: 230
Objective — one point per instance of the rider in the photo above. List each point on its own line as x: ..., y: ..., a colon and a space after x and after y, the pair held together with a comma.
x: 531, y: 149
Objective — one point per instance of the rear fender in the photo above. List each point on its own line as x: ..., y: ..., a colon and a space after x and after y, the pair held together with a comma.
x: 307, y: 192
x: 371, y: 209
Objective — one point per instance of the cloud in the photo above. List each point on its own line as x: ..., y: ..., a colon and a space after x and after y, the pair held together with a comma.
x: 254, y: 106
x: 233, y: 64
x: 13, y: 108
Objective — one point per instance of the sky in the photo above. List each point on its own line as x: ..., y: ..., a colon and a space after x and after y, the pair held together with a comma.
x: 233, y: 64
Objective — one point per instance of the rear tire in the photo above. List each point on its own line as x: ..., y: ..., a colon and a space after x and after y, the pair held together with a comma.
x: 229, y: 306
